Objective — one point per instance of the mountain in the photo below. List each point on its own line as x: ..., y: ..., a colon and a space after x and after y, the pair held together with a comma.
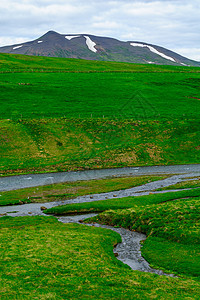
x: 86, y: 46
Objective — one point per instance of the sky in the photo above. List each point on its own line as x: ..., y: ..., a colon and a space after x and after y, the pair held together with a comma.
x: 173, y: 24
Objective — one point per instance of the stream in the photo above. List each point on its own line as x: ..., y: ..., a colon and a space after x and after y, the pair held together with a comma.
x: 32, y: 180
x: 129, y: 250
x: 145, y: 189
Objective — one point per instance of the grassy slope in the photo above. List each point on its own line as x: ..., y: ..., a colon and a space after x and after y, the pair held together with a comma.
x: 35, y: 265
x: 69, y: 190
x: 19, y: 63
x: 52, y: 114
x: 60, y: 145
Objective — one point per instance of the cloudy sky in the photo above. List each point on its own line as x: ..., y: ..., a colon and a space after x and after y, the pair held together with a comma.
x: 174, y: 24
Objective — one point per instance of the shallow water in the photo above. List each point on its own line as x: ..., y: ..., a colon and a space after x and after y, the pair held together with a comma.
x: 128, y: 251
x: 33, y: 180
x: 35, y: 208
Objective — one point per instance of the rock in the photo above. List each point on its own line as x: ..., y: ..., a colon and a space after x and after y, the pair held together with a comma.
x: 30, y: 213
x: 114, y: 195
x: 91, y: 197
x: 43, y: 208
x: 116, y: 254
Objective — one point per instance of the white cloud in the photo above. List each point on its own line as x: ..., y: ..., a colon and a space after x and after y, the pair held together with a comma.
x: 106, y: 25
x: 192, y: 53
x: 11, y: 41
x: 173, y: 24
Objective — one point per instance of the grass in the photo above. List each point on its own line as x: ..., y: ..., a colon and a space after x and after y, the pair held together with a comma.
x: 22, y: 63
x: 172, y: 229
x: 179, y: 258
x: 138, y: 96
x: 59, y: 144
x: 64, y: 114
x: 67, y: 114
x: 44, y: 259
x: 176, y: 220
x: 68, y: 190
x: 120, y: 203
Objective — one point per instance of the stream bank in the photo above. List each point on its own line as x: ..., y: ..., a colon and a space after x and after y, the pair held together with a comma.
x: 128, y: 251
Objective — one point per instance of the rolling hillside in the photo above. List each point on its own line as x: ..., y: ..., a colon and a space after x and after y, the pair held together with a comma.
x: 69, y: 114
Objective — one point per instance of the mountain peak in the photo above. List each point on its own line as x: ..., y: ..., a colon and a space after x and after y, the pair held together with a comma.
x: 91, y: 47
x: 50, y: 32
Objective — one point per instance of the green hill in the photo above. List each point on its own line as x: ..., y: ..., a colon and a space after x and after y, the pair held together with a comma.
x: 64, y: 114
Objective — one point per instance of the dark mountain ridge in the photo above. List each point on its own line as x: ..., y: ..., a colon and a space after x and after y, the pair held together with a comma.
x: 87, y: 46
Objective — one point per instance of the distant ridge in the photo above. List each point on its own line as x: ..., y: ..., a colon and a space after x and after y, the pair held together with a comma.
x: 86, y: 46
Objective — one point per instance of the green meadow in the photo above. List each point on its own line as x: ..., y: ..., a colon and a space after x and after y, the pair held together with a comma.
x: 67, y: 114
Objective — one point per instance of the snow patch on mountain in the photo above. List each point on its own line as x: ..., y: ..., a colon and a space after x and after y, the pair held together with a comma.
x: 70, y: 37
x: 17, y: 47
x: 152, y: 49
x: 138, y: 45
x: 91, y: 45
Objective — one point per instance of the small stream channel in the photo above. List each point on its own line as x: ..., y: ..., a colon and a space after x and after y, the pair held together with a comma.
x: 128, y: 251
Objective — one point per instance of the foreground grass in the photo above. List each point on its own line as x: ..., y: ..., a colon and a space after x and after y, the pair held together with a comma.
x: 68, y: 190
x: 172, y: 228
x: 121, y: 203
x: 180, y: 258
x: 44, y: 259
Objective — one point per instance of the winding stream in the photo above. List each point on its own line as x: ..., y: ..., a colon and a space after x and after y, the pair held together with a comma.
x: 129, y: 250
